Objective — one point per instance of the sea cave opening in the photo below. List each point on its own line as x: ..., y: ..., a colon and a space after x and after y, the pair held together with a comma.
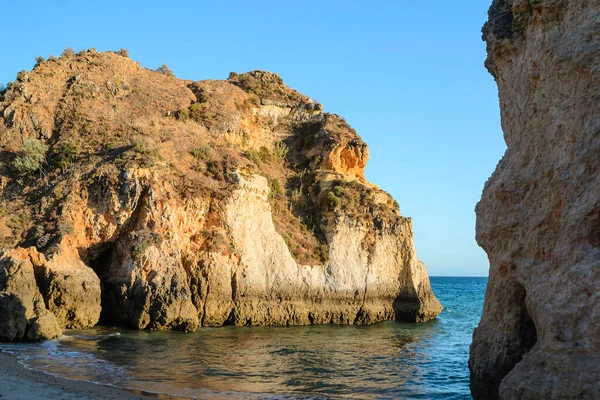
x: 100, y: 260
x: 526, y: 332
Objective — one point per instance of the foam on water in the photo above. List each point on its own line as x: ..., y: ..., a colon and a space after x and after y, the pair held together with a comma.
x: 387, y: 360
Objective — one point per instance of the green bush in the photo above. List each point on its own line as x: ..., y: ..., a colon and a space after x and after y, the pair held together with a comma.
x: 338, y: 191
x: 274, y: 189
x: 322, y: 252
x: 253, y: 100
x: 201, y: 97
x: 164, y: 69
x: 315, y: 106
x: 196, y: 112
x: 139, y: 144
x: 253, y: 156
x: 19, y: 220
x: 280, y: 150
x: 112, y: 145
x: 40, y: 236
x: 65, y: 155
x: 202, y: 152
x: 149, y: 154
x: 38, y: 60
x: 332, y: 201
x: 123, y: 53
x: 21, y: 75
x: 295, y: 197
x: 216, y: 170
x: 275, y: 186
x: 264, y: 154
x: 30, y: 157
x: 288, y: 241
x: 183, y: 114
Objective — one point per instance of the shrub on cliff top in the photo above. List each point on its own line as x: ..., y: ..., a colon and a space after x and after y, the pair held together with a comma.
x: 164, y: 69
x: 21, y: 75
x: 30, y: 157
x: 38, y: 60
x: 69, y: 51
x: 123, y: 53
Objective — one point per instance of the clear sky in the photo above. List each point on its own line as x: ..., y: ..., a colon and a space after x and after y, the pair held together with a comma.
x: 407, y: 75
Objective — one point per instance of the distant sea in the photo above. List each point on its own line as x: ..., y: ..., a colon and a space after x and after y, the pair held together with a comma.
x: 385, y: 360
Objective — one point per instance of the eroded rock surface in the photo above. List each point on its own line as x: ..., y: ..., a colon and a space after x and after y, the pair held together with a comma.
x: 539, y: 215
x: 24, y: 315
x: 160, y: 203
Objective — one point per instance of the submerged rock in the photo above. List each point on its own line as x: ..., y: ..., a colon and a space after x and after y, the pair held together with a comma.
x: 539, y: 215
x: 160, y: 203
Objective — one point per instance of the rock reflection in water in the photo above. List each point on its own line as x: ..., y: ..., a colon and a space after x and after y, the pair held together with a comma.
x: 342, y: 360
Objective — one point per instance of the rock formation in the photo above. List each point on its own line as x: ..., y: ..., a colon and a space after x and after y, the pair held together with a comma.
x: 539, y: 216
x: 22, y: 309
x: 159, y: 203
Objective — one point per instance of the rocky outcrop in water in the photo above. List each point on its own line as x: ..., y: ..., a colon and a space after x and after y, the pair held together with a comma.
x: 539, y: 215
x: 159, y: 203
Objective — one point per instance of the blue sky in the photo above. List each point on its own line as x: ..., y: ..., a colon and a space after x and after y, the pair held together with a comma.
x: 407, y: 75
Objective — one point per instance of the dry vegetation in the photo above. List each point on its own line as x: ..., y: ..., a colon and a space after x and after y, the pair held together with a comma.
x: 89, y: 114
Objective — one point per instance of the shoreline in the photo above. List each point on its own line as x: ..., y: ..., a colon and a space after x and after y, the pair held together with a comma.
x: 20, y: 383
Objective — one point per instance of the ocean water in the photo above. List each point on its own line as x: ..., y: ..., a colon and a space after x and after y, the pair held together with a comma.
x: 385, y: 360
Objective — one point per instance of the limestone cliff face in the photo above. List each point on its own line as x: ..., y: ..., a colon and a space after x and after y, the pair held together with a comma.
x: 158, y: 203
x: 539, y: 216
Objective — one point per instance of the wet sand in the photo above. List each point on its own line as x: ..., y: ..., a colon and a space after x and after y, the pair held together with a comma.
x: 19, y: 383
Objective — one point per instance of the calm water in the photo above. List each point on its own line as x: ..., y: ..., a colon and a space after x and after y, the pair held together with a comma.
x: 386, y: 360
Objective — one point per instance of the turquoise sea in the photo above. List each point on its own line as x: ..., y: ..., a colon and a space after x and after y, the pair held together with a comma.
x: 386, y: 360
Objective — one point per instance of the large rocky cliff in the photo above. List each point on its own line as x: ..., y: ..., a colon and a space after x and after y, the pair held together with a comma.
x: 539, y: 216
x: 129, y: 196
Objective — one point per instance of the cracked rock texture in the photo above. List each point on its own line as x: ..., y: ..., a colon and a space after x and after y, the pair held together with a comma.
x: 539, y: 215
x: 23, y: 312
x: 159, y: 203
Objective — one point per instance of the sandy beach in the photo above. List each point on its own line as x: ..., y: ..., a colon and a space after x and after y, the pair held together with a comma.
x: 19, y: 383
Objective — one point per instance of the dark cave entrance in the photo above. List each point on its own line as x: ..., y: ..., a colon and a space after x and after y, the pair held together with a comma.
x: 518, y: 336
x: 100, y: 260
x: 525, y: 333
x: 520, y: 339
